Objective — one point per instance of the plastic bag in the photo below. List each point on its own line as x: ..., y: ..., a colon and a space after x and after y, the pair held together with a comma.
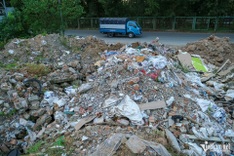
x: 128, y: 108
x: 112, y: 100
x: 204, y: 104
x: 170, y: 100
x: 202, y: 133
x: 229, y: 133
x: 229, y: 95
x: 220, y: 115
x: 197, y: 150
x: 131, y: 51
x: 70, y: 90
x: 49, y: 96
x: 159, y: 62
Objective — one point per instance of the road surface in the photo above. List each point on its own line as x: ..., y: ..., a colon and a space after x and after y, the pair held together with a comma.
x: 167, y: 38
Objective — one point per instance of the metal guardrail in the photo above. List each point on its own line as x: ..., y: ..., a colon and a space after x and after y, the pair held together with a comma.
x: 178, y: 23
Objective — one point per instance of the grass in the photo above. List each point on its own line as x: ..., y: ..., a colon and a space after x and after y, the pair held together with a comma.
x: 60, y: 141
x: 35, y: 148
x: 2, y: 44
x: 65, y: 42
x: 10, y: 113
x: 56, y: 148
x: 37, y: 69
x: 9, y: 66
x: 2, y: 113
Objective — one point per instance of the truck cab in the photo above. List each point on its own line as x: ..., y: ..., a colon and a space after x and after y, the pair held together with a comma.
x: 119, y: 26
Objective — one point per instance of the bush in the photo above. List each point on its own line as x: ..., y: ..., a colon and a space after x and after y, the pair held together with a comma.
x: 2, y: 44
x: 12, y: 26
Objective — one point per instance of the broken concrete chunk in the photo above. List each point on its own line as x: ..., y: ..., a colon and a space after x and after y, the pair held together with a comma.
x: 173, y: 141
x: 185, y: 60
x: 83, y: 121
x: 84, y: 88
x: 135, y: 144
x: 158, y: 148
x: 109, y: 146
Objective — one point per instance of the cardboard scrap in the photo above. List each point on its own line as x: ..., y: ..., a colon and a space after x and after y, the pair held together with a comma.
x: 225, y: 72
x: 140, y: 58
x: 83, y: 121
x: 152, y: 105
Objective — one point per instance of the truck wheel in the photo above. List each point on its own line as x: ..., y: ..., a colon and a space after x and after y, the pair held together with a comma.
x: 131, y: 35
x: 110, y: 34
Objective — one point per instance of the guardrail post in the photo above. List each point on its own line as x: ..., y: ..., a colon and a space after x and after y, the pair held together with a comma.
x: 91, y: 21
x: 78, y: 23
x: 216, y: 23
x: 173, y: 23
x: 194, y: 23
x: 154, y: 24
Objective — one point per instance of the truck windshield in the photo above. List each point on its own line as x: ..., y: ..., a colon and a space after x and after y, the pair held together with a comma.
x: 137, y: 24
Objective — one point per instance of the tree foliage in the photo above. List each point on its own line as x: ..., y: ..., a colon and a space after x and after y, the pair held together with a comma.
x: 32, y: 17
x: 12, y: 26
x: 159, y: 8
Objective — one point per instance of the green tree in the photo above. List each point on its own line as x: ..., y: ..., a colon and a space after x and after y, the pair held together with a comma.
x: 93, y: 8
x: 12, y: 26
x: 151, y: 8
x: 114, y: 8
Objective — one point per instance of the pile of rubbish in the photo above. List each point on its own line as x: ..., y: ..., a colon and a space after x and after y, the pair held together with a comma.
x: 115, y: 99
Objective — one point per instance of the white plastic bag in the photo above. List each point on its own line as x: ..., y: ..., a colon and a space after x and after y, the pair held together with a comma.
x: 159, y: 62
x: 131, y: 51
x: 229, y: 95
x: 204, y: 104
x: 112, y: 100
x: 128, y: 108
x: 70, y: 90
x: 197, y: 150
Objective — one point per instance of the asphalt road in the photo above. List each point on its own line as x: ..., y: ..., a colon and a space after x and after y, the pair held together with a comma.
x: 167, y: 38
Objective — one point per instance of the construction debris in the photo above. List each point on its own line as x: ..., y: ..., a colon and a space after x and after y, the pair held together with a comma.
x: 115, y: 99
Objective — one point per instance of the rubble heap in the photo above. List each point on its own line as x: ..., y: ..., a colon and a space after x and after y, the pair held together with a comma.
x: 116, y: 99
x: 214, y: 50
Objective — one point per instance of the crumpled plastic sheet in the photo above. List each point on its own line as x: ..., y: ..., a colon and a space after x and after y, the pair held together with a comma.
x: 218, y: 113
x: 128, y: 108
x: 216, y: 150
x: 49, y: 96
x: 70, y: 90
x: 229, y: 95
x: 131, y: 50
x: 109, y: 53
x: 201, y: 133
x: 229, y: 133
x: 112, y: 100
x: 60, y: 116
x: 198, y: 151
x: 195, y: 78
x: 158, y: 62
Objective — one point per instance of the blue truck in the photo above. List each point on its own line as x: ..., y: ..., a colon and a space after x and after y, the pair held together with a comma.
x: 119, y: 26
